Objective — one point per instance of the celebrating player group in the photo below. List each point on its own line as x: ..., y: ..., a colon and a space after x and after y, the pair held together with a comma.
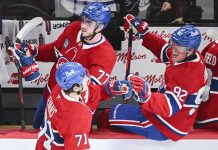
x: 79, y: 79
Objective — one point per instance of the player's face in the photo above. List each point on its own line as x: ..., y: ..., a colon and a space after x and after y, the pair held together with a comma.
x: 87, y: 27
x: 179, y: 53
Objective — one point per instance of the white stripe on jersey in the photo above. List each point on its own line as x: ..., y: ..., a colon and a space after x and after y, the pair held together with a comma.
x: 208, y: 120
x: 164, y: 52
x: 171, y: 127
x: 96, y: 80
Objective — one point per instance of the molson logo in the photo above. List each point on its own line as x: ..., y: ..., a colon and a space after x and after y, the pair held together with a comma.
x: 41, y: 79
x: 14, y: 78
x: 162, y: 34
x: 112, y: 78
x: 152, y: 79
x: 123, y: 57
x: 206, y: 37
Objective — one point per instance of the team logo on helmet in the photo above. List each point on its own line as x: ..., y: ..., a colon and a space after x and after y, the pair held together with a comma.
x: 105, y: 8
x: 97, y: 12
x: 195, y: 33
x: 69, y: 73
x: 187, y: 36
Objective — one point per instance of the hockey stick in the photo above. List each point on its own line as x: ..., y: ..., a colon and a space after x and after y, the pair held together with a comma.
x: 212, y: 33
x: 19, y: 37
x: 129, y: 57
x: 28, y: 27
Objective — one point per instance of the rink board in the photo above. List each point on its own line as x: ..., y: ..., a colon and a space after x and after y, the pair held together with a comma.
x: 12, y: 139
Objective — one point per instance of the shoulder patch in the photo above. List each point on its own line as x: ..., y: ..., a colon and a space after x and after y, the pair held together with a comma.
x: 66, y: 43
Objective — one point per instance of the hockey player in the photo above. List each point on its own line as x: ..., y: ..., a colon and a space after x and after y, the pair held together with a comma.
x: 83, y: 42
x: 68, y: 119
x: 169, y: 113
x: 208, y: 113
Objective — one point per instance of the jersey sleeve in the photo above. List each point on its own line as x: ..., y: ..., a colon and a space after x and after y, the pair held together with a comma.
x: 96, y: 94
x: 164, y: 104
x: 48, y: 52
x: 158, y: 46
x: 100, y: 69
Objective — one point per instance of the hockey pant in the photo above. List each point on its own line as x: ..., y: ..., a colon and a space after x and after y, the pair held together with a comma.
x: 39, y: 114
x: 130, y: 118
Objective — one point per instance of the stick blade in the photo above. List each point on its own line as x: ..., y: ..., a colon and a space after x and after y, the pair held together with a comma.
x: 29, y: 26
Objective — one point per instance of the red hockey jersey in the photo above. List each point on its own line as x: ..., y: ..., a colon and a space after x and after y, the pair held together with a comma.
x: 208, y: 113
x: 68, y: 121
x: 173, y: 109
x: 99, y: 58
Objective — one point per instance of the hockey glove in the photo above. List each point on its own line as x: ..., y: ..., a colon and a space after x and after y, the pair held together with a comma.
x: 141, y: 89
x: 140, y: 28
x: 28, y: 50
x: 11, y: 54
x: 27, y: 66
x: 124, y: 88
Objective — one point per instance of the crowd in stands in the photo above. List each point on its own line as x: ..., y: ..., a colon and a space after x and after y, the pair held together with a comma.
x: 171, y: 11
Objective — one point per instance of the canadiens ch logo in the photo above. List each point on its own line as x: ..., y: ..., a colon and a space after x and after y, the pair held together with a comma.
x: 61, y: 61
x: 66, y: 43
x: 71, y: 53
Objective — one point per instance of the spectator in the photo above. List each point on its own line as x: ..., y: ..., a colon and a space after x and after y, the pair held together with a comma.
x: 69, y: 8
x: 183, y: 10
x: 144, y: 9
x: 159, y: 10
x: 21, y: 8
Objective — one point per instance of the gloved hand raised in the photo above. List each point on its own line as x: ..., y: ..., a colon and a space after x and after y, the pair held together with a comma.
x: 140, y: 28
x: 22, y: 56
x: 28, y: 50
x: 124, y: 88
x: 140, y: 87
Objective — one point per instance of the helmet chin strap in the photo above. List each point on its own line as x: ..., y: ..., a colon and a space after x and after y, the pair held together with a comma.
x: 190, y: 57
x: 89, y: 37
